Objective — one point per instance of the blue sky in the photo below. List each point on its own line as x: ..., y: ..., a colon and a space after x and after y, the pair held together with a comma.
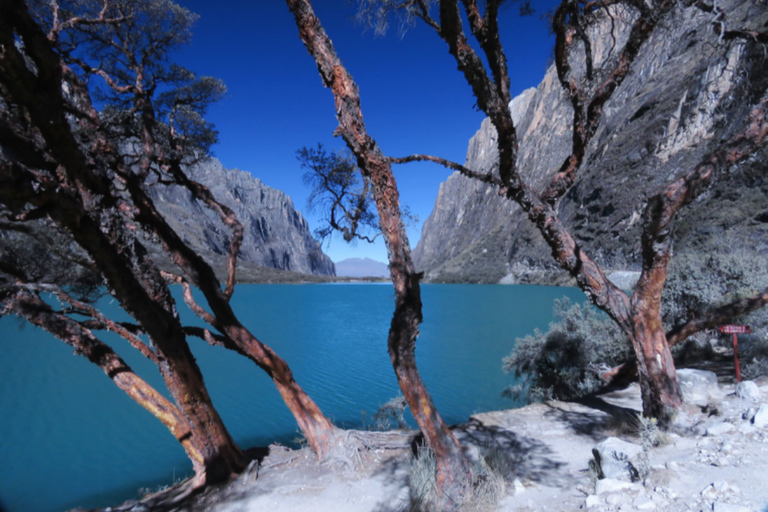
x: 413, y: 98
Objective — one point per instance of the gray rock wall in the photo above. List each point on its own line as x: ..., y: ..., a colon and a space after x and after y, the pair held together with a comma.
x: 276, y: 235
x: 685, y: 91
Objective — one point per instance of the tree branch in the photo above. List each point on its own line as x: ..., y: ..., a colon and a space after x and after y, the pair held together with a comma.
x: 719, y: 316
x: 469, y: 173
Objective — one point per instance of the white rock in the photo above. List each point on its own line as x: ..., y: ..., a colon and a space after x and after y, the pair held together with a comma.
x: 746, y: 429
x: 644, y: 503
x: 617, y: 458
x: 593, y: 501
x: 519, y: 487
x: 719, y: 428
x: 748, y: 390
x: 616, y: 499
x: 720, y: 506
x: 722, y: 487
x: 761, y: 417
x: 699, y: 387
x: 613, y: 485
x: 624, y: 279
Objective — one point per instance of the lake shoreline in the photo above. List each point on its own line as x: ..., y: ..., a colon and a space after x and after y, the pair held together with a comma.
x: 711, y: 461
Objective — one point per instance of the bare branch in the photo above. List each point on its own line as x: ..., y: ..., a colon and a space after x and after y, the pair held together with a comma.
x: 588, y: 107
x: 189, y: 299
x: 29, y: 306
x: 719, y: 316
x: 469, y: 173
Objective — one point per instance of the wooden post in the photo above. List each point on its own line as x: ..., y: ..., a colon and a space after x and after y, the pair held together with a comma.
x: 735, y: 330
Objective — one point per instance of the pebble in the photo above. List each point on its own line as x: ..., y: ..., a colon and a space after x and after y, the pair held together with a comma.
x: 593, y: 501
x: 644, y: 503
x: 613, y: 485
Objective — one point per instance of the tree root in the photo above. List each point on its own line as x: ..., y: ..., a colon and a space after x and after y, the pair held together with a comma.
x: 350, y: 444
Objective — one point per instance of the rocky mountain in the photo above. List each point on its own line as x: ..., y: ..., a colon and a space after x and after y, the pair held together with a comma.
x: 683, y: 93
x: 361, y: 267
x: 276, y: 235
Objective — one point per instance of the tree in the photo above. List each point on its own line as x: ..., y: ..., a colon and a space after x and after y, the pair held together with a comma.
x: 84, y: 174
x: 589, y: 85
x: 340, y: 193
x: 452, y: 467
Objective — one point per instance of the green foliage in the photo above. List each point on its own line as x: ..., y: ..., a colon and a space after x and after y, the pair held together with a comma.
x: 38, y: 253
x: 340, y: 192
x: 562, y: 362
x: 755, y: 368
x: 559, y: 363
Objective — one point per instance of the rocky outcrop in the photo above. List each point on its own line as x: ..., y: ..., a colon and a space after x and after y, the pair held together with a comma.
x: 276, y: 235
x: 685, y: 91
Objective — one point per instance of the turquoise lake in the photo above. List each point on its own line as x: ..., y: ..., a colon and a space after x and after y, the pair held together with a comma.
x: 69, y: 437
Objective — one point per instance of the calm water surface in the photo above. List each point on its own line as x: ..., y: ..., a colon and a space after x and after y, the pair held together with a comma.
x: 69, y: 437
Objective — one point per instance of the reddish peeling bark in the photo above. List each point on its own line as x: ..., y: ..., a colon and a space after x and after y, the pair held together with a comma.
x: 160, y: 320
x: 453, y: 477
x: 30, y: 307
x: 78, y: 197
x: 320, y: 432
x: 639, y: 317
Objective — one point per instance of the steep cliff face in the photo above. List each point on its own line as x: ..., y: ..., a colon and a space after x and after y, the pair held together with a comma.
x: 684, y: 92
x: 276, y: 235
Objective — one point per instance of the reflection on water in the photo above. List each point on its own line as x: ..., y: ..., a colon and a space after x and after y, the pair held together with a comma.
x: 67, y: 429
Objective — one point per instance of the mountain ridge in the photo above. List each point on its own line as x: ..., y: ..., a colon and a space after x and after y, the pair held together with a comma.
x: 275, y: 235
x: 679, y: 100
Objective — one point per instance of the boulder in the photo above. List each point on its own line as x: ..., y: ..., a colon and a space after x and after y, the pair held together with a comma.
x: 699, y: 387
x: 719, y: 428
x: 748, y: 390
x: 617, y: 459
x: 607, y: 485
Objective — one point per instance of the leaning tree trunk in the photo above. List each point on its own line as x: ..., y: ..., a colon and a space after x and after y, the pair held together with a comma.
x: 143, y: 294
x: 453, y: 475
x: 30, y: 307
x: 76, y: 193
x: 320, y: 432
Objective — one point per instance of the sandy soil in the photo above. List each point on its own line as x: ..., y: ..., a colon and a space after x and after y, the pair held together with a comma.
x: 714, y: 460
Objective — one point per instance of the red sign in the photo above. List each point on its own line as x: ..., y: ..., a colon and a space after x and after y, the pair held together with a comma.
x: 735, y: 329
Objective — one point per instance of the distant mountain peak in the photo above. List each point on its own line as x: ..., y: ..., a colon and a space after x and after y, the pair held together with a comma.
x: 361, y: 267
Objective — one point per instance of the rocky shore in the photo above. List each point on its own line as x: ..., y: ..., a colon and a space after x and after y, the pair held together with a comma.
x: 594, y: 455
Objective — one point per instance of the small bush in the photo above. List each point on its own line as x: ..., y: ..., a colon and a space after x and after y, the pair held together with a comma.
x: 392, y: 412
x: 562, y: 363
x: 490, y: 473
x: 699, y: 281
x: 755, y: 368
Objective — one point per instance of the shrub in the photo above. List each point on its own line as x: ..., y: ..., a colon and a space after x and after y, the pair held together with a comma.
x: 491, y: 471
x: 562, y: 363
x: 699, y: 281
x: 393, y: 411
